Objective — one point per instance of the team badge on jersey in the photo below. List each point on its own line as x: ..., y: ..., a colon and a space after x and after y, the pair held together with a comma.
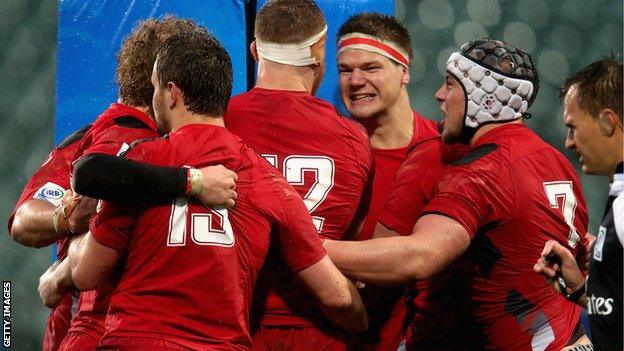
x: 599, y: 244
x: 50, y: 192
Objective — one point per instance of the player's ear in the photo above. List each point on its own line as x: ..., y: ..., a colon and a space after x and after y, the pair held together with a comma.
x: 405, y: 79
x: 607, y: 122
x: 253, y: 50
x: 174, y: 94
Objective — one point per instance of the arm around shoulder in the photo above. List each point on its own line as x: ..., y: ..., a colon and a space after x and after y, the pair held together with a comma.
x: 435, y: 243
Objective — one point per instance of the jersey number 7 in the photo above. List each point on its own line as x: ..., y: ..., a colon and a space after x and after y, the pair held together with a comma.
x: 562, y: 191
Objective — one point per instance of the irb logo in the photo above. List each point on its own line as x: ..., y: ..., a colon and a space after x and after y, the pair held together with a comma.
x: 50, y: 192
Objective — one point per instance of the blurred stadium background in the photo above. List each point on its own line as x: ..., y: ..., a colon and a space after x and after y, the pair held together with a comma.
x: 563, y: 36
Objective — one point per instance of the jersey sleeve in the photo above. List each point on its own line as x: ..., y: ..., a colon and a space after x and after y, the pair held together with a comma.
x: 113, y: 225
x: 412, y: 188
x: 466, y: 194
x: 301, y: 247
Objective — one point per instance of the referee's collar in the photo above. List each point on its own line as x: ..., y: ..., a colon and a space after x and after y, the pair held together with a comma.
x: 617, y: 186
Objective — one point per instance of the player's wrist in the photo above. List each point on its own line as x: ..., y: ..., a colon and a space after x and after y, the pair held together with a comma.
x: 194, y: 182
x: 60, y: 221
x: 574, y: 293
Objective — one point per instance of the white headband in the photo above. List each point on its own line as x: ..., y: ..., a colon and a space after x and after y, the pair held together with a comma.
x: 373, y: 44
x: 490, y: 96
x: 293, y: 54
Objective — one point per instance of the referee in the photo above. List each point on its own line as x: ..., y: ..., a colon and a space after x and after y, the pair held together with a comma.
x: 593, y: 115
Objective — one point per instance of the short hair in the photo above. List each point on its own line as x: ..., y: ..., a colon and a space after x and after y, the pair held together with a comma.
x: 381, y: 26
x: 136, y: 57
x: 599, y: 86
x: 288, y: 21
x: 199, y: 65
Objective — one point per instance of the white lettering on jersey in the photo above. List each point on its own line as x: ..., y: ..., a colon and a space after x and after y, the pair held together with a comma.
x: 211, y: 227
x: 294, y: 169
x: 562, y: 190
x: 600, y: 305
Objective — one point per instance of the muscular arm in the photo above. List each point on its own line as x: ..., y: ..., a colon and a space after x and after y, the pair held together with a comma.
x: 341, y: 301
x: 91, y: 263
x: 32, y: 224
x: 119, y: 179
x: 435, y: 243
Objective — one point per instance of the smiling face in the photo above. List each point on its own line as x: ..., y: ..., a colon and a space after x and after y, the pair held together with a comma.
x: 370, y: 84
x: 584, y: 135
x: 452, y: 104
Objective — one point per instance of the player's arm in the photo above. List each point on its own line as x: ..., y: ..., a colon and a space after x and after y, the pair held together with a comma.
x: 54, y: 283
x: 116, y: 178
x: 341, y: 302
x: 435, y: 243
x: 304, y: 254
x: 38, y: 223
x: 57, y: 281
x: 32, y: 225
x: 94, y: 257
x: 91, y: 263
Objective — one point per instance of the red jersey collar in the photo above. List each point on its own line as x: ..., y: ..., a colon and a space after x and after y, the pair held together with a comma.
x: 117, y: 109
x: 495, y: 133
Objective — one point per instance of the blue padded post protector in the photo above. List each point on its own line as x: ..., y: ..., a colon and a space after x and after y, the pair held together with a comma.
x: 90, y: 33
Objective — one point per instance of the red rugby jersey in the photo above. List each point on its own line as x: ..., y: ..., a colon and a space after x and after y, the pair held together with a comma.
x: 189, y: 269
x: 512, y: 193
x: 387, y: 312
x: 387, y: 163
x: 325, y: 157
x: 438, y: 302
x: 113, y: 131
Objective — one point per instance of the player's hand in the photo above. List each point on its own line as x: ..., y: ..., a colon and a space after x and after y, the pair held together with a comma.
x: 49, y: 290
x: 218, y: 186
x: 548, y: 267
x: 79, y: 210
